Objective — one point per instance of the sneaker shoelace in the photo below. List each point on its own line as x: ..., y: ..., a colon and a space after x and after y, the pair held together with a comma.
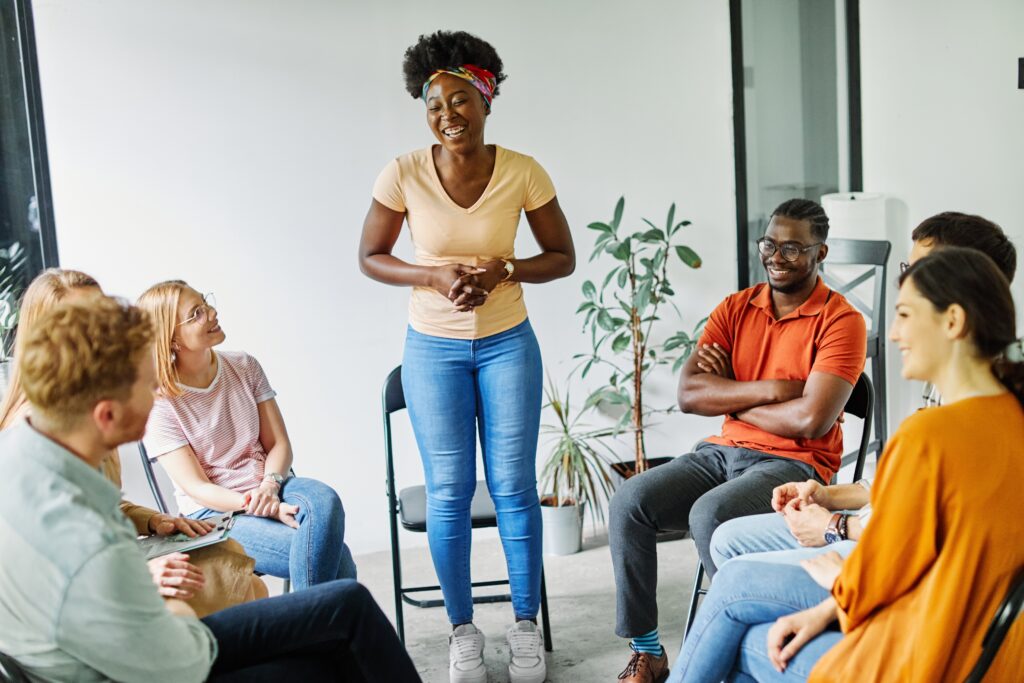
x: 524, y: 643
x: 466, y: 647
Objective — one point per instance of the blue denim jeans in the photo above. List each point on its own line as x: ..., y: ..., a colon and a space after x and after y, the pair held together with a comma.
x: 770, y: 537
x: 330, y: 632
x: 729, y: 635
x: 313, y: 553
x: 455, y: 389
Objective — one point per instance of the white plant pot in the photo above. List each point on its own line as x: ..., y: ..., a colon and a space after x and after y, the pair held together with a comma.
x: 563, y: 529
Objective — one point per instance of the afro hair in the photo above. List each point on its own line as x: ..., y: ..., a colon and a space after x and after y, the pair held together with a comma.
x: 443, y: 49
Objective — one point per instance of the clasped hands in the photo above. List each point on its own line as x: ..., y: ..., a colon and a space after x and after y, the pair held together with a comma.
x: 468, y: 286
x: 264, y: 501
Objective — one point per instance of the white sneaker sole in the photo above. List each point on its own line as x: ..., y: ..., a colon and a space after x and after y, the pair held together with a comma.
x: 478, y: 675
x: 538, y: 675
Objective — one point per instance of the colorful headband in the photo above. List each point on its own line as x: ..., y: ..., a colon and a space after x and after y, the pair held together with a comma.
x: 482, y: 79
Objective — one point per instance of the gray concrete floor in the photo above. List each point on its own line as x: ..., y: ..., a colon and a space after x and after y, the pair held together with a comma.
x: 581, y: 597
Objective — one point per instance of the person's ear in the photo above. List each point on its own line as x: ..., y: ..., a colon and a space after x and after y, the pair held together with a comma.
x: 105, y: 415
x: 822, y: 252
x: 955, y: 322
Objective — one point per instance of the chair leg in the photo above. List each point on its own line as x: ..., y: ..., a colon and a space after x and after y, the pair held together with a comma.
x: 545, y: 616
x: 878, y: 378
x: 286, y: 587
x: 396, y: 577
x: 698, y: 590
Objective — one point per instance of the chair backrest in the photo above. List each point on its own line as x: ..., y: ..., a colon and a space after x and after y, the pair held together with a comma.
x: 873, y: 255
x: 860, y: 404
x: 393, y: 397
x: 392, y: 400
x: 154, y: 485
x: 1006, y: 615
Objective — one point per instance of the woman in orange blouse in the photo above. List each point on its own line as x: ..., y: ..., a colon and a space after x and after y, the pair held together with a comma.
x: 914, y: 599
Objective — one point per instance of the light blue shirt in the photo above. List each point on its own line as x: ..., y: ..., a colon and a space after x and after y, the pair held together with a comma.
x: 77, y: 602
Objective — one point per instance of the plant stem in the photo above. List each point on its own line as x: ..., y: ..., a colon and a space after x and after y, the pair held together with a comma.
x: 636, y: 331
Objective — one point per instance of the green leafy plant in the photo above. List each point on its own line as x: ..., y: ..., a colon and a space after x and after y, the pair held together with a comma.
x: 577, y: 470
x: 621, y: 313
x: 12, y: 266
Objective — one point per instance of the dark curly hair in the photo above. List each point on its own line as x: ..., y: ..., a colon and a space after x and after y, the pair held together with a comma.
x: 448, y: 48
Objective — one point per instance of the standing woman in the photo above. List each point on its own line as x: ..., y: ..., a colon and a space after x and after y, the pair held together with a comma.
x: 471, y: 359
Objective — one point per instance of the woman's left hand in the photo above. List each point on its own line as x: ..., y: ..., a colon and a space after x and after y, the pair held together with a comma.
x: 165, y: 525
x: 264, y: 500
x: 493, y: 273
x: 824, y: 569
x: 790, y: 633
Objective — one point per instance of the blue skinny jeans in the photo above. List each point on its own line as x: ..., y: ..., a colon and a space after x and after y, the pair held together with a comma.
x: 314, y: 553
x: 455, y: 389
x: 728, y: 641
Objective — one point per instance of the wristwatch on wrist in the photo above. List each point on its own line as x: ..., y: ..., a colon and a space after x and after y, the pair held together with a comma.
x: 836, y: 530
x: 509, y: 269
x: 274, y: 477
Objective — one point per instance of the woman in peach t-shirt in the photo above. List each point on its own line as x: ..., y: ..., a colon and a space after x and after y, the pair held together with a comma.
x: 471, y: 360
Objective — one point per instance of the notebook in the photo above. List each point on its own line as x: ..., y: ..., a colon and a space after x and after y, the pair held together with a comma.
x: 157, y: 546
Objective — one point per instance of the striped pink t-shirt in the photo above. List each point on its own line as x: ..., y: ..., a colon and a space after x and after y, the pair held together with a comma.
x: 220, y: 422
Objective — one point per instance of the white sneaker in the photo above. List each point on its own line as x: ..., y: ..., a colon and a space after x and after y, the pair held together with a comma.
x: 526, y: 653
x: 466, y: 655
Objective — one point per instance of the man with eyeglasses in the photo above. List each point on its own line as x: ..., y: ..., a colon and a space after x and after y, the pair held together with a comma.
x: 779, y: 360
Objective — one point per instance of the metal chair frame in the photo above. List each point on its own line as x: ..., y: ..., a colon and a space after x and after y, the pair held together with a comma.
x: 861, y: 404
x: 392, y: 401
x: 1002, y: 622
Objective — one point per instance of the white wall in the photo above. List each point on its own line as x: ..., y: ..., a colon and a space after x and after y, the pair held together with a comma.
x: 234, y: 143
x: 942, y: 120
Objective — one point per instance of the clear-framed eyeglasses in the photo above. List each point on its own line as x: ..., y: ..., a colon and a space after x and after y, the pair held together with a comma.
x: 790, y: 250
x: 202, y: 312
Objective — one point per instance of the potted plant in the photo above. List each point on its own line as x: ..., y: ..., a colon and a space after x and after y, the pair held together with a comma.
x: 621, y: 315
x: 12, y: 263
x: 575, y: 475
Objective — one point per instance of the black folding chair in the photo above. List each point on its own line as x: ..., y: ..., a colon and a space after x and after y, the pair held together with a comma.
x: 10, y: 672
x: 410, y: 506
x: 1003, y: 621
x: 860, y: 404
x: 872, y: 256
x: 161, y: 504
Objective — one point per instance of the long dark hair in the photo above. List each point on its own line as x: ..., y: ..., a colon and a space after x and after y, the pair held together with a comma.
x: 969, y: 278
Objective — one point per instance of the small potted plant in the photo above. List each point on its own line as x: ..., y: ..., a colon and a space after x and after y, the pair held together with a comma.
x: 576, y: 475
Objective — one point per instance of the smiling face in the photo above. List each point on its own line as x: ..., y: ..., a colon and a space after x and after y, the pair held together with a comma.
x: 921, y: 332
x: 456, y: 113
x: 202, y: 331
x: 785, y: 276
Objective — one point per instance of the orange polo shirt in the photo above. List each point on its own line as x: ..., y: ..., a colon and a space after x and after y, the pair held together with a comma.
x: 825, y: 334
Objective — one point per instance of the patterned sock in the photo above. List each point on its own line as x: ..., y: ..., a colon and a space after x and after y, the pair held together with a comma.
x: 649, y: 643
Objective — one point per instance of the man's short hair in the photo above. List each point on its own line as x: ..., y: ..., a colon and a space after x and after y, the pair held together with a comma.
x: 955, y: 229
x: 81, y: 353
x: 805, y: 210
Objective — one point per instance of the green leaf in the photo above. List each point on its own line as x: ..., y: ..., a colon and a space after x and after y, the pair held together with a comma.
x: 643, y: 296
x: 604, y: 319
x: 623, y: 250
x: 621, y: 342
x: 602, y: 227
x: 589, y: 290
x: 609, y: 276
x: 671, y: 217
x: 619, y: 206
x: 586, y: 368
x: 653, y: 236
x: 688, y: 256
x: 623, y: 276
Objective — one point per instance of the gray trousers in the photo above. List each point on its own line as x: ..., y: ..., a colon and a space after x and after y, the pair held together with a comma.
x: 697, y: 491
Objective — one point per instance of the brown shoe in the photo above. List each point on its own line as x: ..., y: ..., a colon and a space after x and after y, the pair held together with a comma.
x: 645, y: 668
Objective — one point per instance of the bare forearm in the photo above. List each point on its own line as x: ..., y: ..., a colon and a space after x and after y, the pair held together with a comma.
x: 394, y: 271
x: 847, y: 497
x: 790, y: 419
x: 854, y: 528
x: 216, y: 497
x: 710, y: 395
x: 279, y: 459
x: 544, y: 267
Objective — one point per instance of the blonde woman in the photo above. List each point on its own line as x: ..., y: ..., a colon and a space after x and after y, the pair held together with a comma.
x: 217, y: 430
x: 209, y: 579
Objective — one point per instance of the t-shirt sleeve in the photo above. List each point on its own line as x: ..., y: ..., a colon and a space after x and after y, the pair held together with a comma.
x: 163, y: 431
x: 258, y: 382
x: 718, y: 328
x: 843, y: 347
x: 387, y: 189
x: 539, y: 188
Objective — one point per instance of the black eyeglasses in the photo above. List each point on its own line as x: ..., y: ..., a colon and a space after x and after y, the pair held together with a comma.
x: 790, y: 250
